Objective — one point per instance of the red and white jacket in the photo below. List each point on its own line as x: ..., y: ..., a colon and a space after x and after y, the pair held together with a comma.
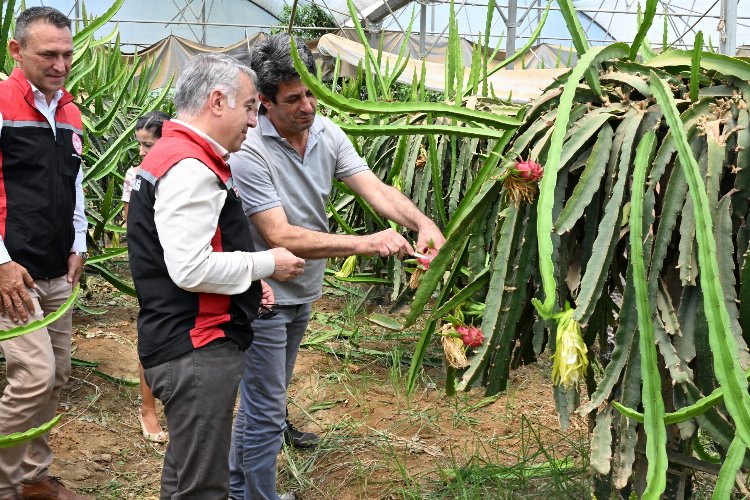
x: 172, y: 321
x: 38, y: 169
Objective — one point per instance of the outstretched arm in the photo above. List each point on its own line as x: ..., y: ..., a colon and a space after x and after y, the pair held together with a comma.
x: 392, y: 204
x: 309, y: 244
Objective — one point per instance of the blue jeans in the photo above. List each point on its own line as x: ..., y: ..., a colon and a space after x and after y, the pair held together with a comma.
x: 260, y: 422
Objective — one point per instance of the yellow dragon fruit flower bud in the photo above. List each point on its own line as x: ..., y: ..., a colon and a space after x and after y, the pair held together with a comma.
x: 569, y: 363
x: 347, y: 268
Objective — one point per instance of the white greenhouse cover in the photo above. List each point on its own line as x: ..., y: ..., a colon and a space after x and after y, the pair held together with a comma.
x: 603, y: 20
x: 145, y: 21
x: 519, y: 85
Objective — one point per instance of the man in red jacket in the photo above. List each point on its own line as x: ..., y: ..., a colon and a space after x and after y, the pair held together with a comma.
x: 196, y: 273
x: 42, y: 241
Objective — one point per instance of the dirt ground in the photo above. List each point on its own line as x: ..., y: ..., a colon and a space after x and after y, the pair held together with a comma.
x: 377, y: 442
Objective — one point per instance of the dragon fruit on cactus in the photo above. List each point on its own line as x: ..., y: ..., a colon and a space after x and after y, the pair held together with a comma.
x: 529, y: 170
x: 470, y: 335
x: 424, y: 262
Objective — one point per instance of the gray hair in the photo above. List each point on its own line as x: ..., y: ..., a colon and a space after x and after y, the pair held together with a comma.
x: 204, y: 74
x: 34, y: 15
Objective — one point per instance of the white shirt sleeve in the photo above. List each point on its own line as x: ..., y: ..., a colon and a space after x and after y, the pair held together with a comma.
x: 80, y: 224
x: 186, y: 212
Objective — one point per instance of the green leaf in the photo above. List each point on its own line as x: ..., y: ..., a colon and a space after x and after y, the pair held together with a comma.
x: 124, y: 381
x: 515, y: 300
x: 745, y: 293
x: 627, y: 428
x: 643, y: 28
x: 467, y: 215
x: 722, y: 342
x: 679, y: 371
x: 729, y: 469
x: 601, y: 442
x: 580, y: 42
x: 520, y: 52
x: 624, y: 336
x: 379, y: 130
x: 10, y: 440
x: 547, y: 185
x: 365, y: 279
x: 589, y: 182
x: 114, y: 279
x: 438, y: 209
x: 476, y: 284
x: 429, y: 329
x: 7, y: 20
x: 98, y: 22
x: 385, y: 322
x: 41, y: 323
x: 501, y: 263
x: 653, y: 404
x: 324, y: 405
x: 597, y: 267
x: 725, y: 65
x: 106, y: 122
x: 634, y: 81
x: 695, y: 66
x: 389, y: 108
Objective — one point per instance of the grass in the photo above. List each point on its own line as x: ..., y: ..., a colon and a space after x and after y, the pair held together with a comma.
x: 380, y: 443
x: 377, y: 441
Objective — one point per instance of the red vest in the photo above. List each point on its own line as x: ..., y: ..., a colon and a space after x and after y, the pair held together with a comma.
x: 173, y: 321
x: 38, y: 169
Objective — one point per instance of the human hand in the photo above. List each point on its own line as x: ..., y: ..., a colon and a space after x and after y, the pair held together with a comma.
x: 14, y: 284
x: 266, y: 298
x: 386, y: 243
x: 75, y: 268
x: 287, y: 265
x: 429, y: 233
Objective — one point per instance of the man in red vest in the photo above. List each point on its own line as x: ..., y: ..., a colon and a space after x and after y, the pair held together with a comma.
x: 42, y: 241
x: 196, y: 272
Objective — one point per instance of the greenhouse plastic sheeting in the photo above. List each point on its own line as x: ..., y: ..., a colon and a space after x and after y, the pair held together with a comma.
x: 520, y: 85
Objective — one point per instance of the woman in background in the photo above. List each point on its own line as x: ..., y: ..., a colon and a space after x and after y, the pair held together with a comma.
x: 147, y: 132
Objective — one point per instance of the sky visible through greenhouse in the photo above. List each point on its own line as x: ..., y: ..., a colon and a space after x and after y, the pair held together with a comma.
x: 603, y: 20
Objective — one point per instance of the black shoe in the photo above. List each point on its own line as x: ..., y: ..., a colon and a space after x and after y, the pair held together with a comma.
x: 298, y: 439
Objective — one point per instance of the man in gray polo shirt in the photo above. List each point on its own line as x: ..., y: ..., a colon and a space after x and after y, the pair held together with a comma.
x: 284, y: 173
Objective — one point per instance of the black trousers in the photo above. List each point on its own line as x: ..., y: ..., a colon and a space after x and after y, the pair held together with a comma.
x: 198, y: 390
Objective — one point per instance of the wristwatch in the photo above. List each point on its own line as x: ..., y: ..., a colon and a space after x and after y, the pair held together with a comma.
x: 83, y: 255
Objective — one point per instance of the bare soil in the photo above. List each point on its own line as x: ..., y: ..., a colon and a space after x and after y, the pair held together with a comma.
x: 377, y: 442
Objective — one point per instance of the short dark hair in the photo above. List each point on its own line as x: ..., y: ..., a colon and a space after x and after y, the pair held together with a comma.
x: 272, y: 62
x: 34, y: 15
x: 152, y: 122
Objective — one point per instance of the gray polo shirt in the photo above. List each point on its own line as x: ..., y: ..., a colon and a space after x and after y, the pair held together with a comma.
x: 270, y: 173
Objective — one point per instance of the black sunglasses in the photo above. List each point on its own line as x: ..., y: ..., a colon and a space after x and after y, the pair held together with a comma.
x: 265, y: 312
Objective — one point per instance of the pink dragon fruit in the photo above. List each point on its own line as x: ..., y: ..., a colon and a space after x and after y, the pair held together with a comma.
x: 424, y: 261
x: 529, y: 170
x: 470, y: 335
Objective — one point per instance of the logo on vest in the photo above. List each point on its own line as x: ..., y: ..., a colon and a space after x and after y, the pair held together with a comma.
x: 137, y: 184
x: 77, y: 144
